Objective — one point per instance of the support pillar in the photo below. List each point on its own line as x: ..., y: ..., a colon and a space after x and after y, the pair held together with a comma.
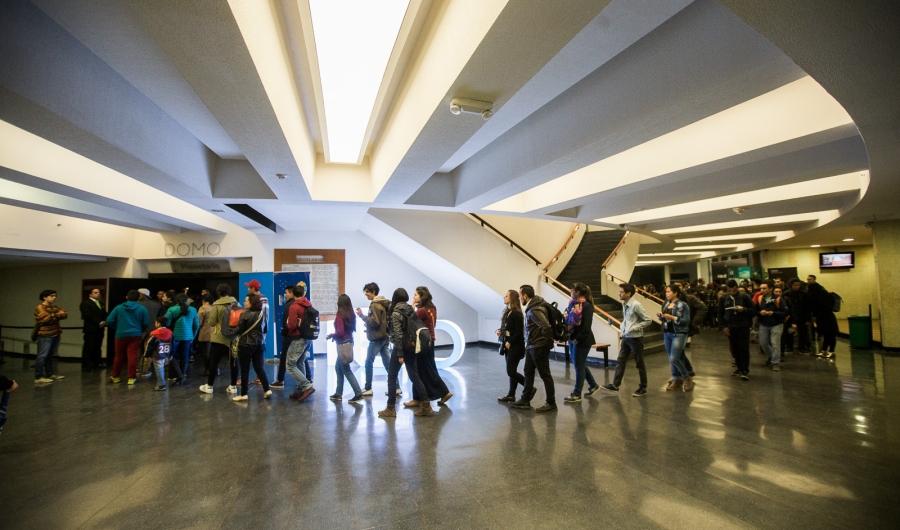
x: 667, y: 277
x: 886, y: 240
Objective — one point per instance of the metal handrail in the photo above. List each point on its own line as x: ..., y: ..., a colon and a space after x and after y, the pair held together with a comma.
x: 609, y: 317
x: 638, y: 289
x: 564, y: 247
x: 615, y: 251
x: 512, y: 243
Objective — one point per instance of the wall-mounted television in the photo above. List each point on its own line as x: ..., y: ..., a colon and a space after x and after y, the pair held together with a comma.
x: 837, y: 260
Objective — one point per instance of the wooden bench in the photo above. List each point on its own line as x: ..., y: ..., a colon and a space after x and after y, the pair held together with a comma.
x: 603, y: 348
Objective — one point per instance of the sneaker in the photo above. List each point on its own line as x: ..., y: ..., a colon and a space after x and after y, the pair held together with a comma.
x: 640, y: 392
x: 821, y: 353
x: 610, y: 387
x: 160, y: 387
x: 591, y: 391
x: 775, y: 368
x: 506, y: 399
x: 335, y: 397
x: 367, y: 392
x: 356, y: 399
x: 736, y: 373
x: 829, y: 355
x: 294, y: 396
x: 277, y: 384
x: 546, y: 407
x: 572, y: 398
x: 42, y: 380
x: 114, y: 380
x: 745, y: 376
x: 257, y: 381
x: 178, y: 382
x: 521, y: 404
x: 445, y: 399
x: 267, y: 395
x: 232, y: 389
x: 57, y: 377
x: 306, y: 393
x: 677, y: 384
x: 206, y: 389
x: 669, y: 384
x: 239, y: 398
x: 132, y: 381
x: 399, y: 392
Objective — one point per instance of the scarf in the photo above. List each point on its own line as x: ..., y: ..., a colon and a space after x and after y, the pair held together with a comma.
x: 574, y: 312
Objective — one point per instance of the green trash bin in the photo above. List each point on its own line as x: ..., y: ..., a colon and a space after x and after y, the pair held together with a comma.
x: 860, y: 331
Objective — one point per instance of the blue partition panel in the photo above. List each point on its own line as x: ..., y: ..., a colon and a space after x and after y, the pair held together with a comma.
x: 266, y: 280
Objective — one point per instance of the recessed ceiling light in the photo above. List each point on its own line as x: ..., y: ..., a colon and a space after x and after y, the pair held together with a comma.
x: 354, y: 41
x: 815, y: 246
x: 848, y: 239
x: 797, y: 109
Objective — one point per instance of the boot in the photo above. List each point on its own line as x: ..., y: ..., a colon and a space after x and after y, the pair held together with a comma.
x: 412, y: 404
x: 677, y: 384
x: 388, y: 412
x: 424, y: 409
x: 688, y: 383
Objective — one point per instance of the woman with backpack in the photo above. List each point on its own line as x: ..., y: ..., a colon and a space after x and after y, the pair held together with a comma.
x: 579, y: 317
x: 428, y: 372
x: 220, y: 345
x: 183, y: 321
x: 676, y: 320
x: 251, y: 343
x: 344, y: 326
x: 512, y: 342
x: 400, y: 313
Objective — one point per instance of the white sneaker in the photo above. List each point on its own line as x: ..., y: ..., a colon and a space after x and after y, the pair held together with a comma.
x: 206, y: 389
x: 268, y: 394
x: 367, y: 392
x: 57, y: 377
x: 239, y: 398
x: 399, y: 392
x: 42, y: 380
x: 232, y: 390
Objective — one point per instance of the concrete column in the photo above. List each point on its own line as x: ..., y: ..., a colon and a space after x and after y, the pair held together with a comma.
x: 667, y: 277
x: 886, y: 240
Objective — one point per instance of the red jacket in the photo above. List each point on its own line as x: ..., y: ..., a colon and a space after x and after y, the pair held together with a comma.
x: 295, y: 316
x: 428, y: 317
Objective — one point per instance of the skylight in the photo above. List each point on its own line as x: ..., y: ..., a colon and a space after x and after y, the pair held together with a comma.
x: 354, y: 41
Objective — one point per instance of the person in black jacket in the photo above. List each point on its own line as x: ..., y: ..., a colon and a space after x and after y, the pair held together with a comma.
x: 800, y: 317
x: 579, y: 318
x: 822, y: 305
x: 94, y: 316
x: 736, y: 312
x: 251, y: 339
x: 512, y: 342
x: 538, y: 342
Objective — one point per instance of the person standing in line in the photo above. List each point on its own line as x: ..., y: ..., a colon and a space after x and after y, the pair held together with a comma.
x: 676, y: 321
x: 790, y: 322
x: 253, y: 287
x: 822, y: 304
x: 800, y: 308
x: 538, y: 342
x: 94, y: 316
x: 168, y: 300
x: 7, y: 386
x: 47, y: 314
x: 736, y: 314
x: 159, y: 351
x: 297, y: 350
x: 285, y: 338
x: 182, y: 320
x: 376, y: 323
x: 344, y: 327
x: 512, y: 342
x: 129, y: 320
x: 152, y: 306
x: 220, y: 345
x: 771, y: 323
x: 634, y: 320
x: 204, y: 335
x: 399, y: 313
x: 435, y: 386
x: 251, y: 337
x: 579, y: 319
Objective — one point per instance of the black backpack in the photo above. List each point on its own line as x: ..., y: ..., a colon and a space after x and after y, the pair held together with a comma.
x: 558, y: 322
x: 416, y: 335
x: 309, y: 324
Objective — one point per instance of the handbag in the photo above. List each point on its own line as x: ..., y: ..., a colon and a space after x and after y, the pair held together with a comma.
x: 235, y: 343
x: 345, y: 351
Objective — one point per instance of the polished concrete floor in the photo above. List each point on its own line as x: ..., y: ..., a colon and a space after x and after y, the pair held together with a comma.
x: 814, y: 446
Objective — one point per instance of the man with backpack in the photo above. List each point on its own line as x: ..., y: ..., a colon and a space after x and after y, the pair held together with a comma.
x: 299, y: 327
x: 538, y: 342
x: 220, y: 341
x: 772, y: 314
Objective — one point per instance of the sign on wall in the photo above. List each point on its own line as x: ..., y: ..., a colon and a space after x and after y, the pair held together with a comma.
x: 201, y: 266
x: 324, y: 284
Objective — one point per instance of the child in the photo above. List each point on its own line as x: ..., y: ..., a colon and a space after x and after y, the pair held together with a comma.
x: 159, y: 348
x: 6, y: 386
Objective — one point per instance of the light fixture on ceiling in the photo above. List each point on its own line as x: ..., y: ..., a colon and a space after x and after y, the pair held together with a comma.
x: 471, y: 106
x: 848, y: 239
x: 823, y: 217
x: 281, y: 176
x: 218, y: 211
x: 739, y: 211
x: 643, y: 263
x: 354, y: 41
x: 758, y: 235
x: 815, y: 246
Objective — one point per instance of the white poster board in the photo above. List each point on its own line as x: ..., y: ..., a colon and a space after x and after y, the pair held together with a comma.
x: 324, y: 286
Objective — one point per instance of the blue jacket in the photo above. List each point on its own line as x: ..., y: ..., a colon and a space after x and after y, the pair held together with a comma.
x: 129, y: 319
x: 187, y: 326
x: 777, y: 306
x: 682, y: 313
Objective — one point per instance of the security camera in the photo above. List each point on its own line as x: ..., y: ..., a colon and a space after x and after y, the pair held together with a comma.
x: 487, y: 114
x: 455, y: 109
x: 622, y: 225
x: 471, y: 106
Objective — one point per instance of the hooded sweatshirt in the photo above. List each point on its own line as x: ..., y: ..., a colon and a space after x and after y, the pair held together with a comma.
x: 159, y: 346
x: 295, y: 316
x: 216, y: 313
x: 377, y: 321
x: 186, y: 326
x: 130, y: 320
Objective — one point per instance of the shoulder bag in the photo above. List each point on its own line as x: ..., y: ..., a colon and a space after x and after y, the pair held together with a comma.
x: 235, y: 344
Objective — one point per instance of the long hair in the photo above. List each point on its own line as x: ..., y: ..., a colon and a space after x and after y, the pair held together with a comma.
x: 584, y: 291
x: 255, y: 302
x: 345, y: 312
x: 514, y: 303
x: 181, y: 300
x: 676, y: 289
x: 425, y: 298
x: 400, y: 295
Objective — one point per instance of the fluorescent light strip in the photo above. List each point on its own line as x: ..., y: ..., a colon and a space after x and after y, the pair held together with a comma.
x: 823, y: 217
x: 737, y: 246
x: 794, y: 110
x: 699, y: 254
x: 811, y: 188
x: 639, y: 263
x: 354, y: 41
x: 27, y: 153
x: 758, y: 235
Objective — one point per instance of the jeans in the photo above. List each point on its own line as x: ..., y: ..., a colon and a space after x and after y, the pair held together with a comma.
x: 282, y: 361
x: 376, y: 347
x: 130, y: 347
x: 739, y: 340
x: 428, y: 373
x: 343, y: 370
x: 46, y: 350
x: 512, y: 370
x: 160, y: 366
x: 539, y: 359
x: 91, y: 354
x: 181, y: 351
x: 216, y: 353
x: 254, y: 354
x: 675, y: 349
x: 296, y: 354
x: 770, y: 341
x: 628, y: 347
x: 579, y: 354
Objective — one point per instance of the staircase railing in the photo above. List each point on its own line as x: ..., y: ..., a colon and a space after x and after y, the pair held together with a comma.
x: 655, y: 298
x: 555, y: 283
x: 563, y: 248
x: 503, y: 236
x: 615, y: 251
